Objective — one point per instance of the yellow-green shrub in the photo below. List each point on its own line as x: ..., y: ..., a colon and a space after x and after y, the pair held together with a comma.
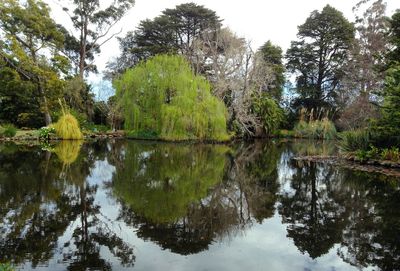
x: 67, y: 127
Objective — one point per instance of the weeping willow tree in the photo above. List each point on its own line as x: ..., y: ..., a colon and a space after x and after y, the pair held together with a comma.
x: 162, y: 98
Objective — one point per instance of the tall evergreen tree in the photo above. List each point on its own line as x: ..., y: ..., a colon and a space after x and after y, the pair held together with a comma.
x: 174, y: 31
x: 272, y: 57
x: 318, y: 56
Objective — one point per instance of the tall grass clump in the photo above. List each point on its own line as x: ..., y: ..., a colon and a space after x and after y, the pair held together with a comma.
x: 67, y: 126
x: 355, y: 140
x: 164, y: 99
x: 315, y: 124
x: 316, y: 129
x: 8, y: 130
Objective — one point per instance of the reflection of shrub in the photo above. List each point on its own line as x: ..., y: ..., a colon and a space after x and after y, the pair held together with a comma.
x: 144, y: 134
x: 317, y: 129
x: 6, y: 267
x: 8, y: 130
x: 351, y: 141
x: 68, y: 151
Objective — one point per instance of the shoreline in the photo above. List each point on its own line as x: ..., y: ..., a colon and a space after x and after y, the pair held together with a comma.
x: 387, y: 168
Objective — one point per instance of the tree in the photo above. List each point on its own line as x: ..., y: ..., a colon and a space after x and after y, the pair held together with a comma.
x: 16, y: 96
x: 389, y: 124
x: 30, y: 46
x: 94, y: 24
x: 240, y: 78
x: 318, y: 57
x: 163, y: 98
x: 363, y: 73
x: 394, y: 38
x: 272, y: 57
x: 172, y: 32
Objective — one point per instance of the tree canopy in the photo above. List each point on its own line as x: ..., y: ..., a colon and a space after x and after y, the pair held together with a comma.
x: 171, y: 32
x: 319, y: 55
x: 163, y: 98
x: 31, y: 48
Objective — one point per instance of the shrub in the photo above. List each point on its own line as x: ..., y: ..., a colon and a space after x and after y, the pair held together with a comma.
x: 45, y: 132
x: 351, y: 141
x: 67, y: 127
x: 392, y: 154
x: 164, y: 97
x: 269, y: 112
x: 8, y: 130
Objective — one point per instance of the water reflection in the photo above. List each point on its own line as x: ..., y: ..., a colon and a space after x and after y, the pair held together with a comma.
x: 90, y: 206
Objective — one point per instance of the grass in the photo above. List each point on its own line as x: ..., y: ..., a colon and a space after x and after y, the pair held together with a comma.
x: 67, y: 127
x: 317, y: 129
x: 356, y: 140
x: 8, y: 130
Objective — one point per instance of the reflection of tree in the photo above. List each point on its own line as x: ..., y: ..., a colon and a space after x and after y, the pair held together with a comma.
x: 183, y: 197
x: 159, y: 181
x: 372, y: 236
x: 313, y: 210
x: 254, y: 174
x: 42, y: 196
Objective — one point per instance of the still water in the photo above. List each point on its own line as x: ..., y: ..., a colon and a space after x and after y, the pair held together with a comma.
x: 131, y: 205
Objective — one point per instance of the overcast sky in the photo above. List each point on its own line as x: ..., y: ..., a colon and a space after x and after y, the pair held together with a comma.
x: 255, y: 20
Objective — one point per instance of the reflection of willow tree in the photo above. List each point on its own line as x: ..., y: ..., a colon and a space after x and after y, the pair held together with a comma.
x: 313, y: 211
x: 372, y: 236
x: 179, y: 200
x: 42, y: 196
x: 162, y: 184
x: 160, y: 181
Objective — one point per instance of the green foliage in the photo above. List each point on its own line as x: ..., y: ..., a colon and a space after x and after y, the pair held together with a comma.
x: 80, y: 99
x: 318, y: 57
x: 67, y: 127
x: 270, y: 113
x: 164, y: 97
x: 351, y: 141
x: 172, y: 32
x: 389, y: 125
x: 6, y: 267
x: 317, y: 129
x: 45, y: 132
x: 392, y: 154
x: 30, y: 41
x: 160, y: 182
x: 8, y: 130
x: 272, y: 55
x: 284, y: 133
x: 394, y: 37
x: 17, y: 98
x: 94, y: 18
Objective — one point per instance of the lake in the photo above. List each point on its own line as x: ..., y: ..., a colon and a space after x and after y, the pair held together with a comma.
x: 141, y: 205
